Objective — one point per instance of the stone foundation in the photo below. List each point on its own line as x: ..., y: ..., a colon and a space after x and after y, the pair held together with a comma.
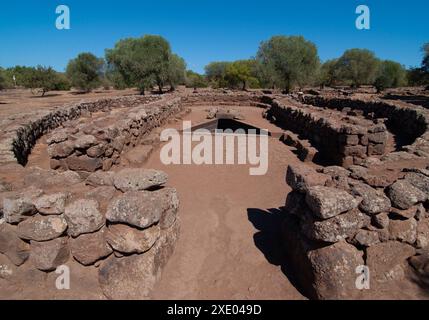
x: 123, y: 223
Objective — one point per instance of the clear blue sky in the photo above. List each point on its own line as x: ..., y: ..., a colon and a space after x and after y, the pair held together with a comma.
x: 203, y: 31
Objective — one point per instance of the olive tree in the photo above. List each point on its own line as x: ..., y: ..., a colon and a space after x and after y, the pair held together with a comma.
x: 85, y: 71
x: 176, y: 71
x: 358, y: 67
x: 142, y: 62
x: 216, y: 72
x: 287, y: 61
x: 390, y: 75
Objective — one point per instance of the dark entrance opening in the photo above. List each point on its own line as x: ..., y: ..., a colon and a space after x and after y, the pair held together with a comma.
x: 231, y: 124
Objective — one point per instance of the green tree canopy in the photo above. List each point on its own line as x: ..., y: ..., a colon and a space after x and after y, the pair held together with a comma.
x: 287, y: 61
x: 328, y: 73
x: 46, y: 79
x: 144, y: 61
x: 240, y: 73
x: 85, y: 71
x: 358, y: 66
x: 215, y: 73
x: 3, y: 83
x: 176, y: 71
x: 195, y: 80
x: 390, y: 75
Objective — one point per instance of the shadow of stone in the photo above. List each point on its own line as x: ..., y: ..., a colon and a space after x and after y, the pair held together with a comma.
x: 268, y: 240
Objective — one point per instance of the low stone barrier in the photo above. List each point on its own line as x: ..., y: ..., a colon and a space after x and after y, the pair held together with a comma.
x: 125, y: 223
x: 98, y: 144
x: 339, y: 140
x: 336, y: 224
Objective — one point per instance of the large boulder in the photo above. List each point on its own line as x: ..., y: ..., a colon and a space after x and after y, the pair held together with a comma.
x: 100, y: 178
x: 127, y: 239
x: 133, y: 277
x: 140, y: 209
x: 373, y: 201
x: 404, y: 195
x: 85, y: 141
x: 18, y: 206
x: 418, y: 180
x: 335, y: 229
x: 48, y: 255
x: 42, y: 228
x: 83, y: 163
x: 301, y: 177
x: 12, y: 246
x: 52, y: 203
x: 334, y: 269
x: 403, y: 230
x: 386, y: 260
x: 89, y: 248
x: 83, y: 216
x: 139, y: 179
x: 326, y: 202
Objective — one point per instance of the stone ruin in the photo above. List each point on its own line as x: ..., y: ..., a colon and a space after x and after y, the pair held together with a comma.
x: 359, y: 198
x: 123, y: 222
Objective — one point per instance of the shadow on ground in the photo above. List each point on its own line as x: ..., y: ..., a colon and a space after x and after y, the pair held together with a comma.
x: 413, y: 99
x: 268, y: 239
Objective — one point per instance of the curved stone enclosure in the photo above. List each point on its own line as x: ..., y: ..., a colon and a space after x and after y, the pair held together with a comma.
x: 369, y: 210
x: 111, y: 220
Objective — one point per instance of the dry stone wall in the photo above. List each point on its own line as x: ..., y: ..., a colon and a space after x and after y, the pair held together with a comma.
x: 124, y: 223
x: 98, y: 144
x: 340, y: 139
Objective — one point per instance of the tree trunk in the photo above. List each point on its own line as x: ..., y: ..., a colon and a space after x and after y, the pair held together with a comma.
x: 160, y: 88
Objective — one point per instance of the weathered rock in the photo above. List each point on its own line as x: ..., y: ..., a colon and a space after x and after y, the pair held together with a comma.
x: 83, y: 163
x: 418, y: 180
x: 12, y: 246
x: 139, y: 179
x: 422, y: 240
x: 85, y: 141
x: 387, y: 258
x: 52, y: 203
x: 48, y: 255
x: 127, y: 239
x: 335, y: 229
x: 42, y: 228
x: 133, y: 277
x: 83, y: 216
x: 7, y: 268
x: 18, y: 206
x: 139, y: 155
x: 328, y: 202
x: 60, y: 150
x: 403, y: 230
x: 89, y: 248
x: 336, y: 171
x: 404, y: 195
x: 171, y: 202
x: 358, y: 172
x: 295, y: 204
x: 140, y: 209
x: 95, y: 151
x: 334, y: 270
x: 100, y: 178
x: 301, y: 177
x: 381, y: 220
x: 57, y: 137
x: 373, y: 202
x: 421, y: 212
x: 103, y: 195
x: 407, y: 214
x: 367, y: 238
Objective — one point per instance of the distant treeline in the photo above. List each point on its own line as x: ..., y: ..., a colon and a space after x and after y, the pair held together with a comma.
x: 282, y: 62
